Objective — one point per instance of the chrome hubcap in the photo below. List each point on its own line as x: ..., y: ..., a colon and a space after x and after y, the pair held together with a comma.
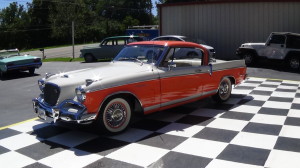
x: 115, y: 115
x: 294, y: 63
x: 224, y: 89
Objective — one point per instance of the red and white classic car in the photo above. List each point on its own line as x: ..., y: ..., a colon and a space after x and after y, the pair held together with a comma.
x: 144, y: 77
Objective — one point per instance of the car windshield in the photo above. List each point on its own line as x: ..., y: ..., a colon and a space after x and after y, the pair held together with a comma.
x: 140, y: 53
x: 6, y: 54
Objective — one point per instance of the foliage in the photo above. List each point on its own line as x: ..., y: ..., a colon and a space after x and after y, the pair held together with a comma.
x: 45, y: 23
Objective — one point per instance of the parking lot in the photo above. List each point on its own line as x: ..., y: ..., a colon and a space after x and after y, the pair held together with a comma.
x: 258, y: 127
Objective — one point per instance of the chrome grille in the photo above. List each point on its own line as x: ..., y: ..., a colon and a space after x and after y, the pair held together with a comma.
x: 51, y: 93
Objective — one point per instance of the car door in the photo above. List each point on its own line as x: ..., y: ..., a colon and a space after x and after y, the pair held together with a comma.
x: 275, y: 48
x: 180, y: 76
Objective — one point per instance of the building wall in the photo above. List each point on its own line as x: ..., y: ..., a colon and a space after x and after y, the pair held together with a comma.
x: 226, y: 25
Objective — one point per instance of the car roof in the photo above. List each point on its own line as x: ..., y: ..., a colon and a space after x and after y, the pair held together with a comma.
x: 115, y: 37
x: 286, y: 33
x: 167, y: 43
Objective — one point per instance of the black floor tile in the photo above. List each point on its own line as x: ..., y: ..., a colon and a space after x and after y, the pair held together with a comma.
x: 292, y: 121
x: 101, y: 145
x: 216, y: 134
x: 110, y: 163
x: 3, y: 150
x: 149, y: 124
x: 263, y: 93
x: 42, y: 149
x: 242, y: 154
x: 288, y: 144
x: 8, y: 133
x: 262, y: 128
x: 237, y: 116
x: 36, y: 165
x: 195, y: 120
x: 273, y: 111
x: 295, y: 106
x: 49, y: 131
x: 181, y: 160
x: 251, y: 102
x: 281, y: 99
x: 164, y: 141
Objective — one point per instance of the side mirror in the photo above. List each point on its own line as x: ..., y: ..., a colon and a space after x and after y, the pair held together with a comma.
x: 171, y: 65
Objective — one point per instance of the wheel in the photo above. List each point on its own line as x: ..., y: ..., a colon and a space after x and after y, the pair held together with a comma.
x: 294, y: 63
x: 115, y: 116
x: 249, y: 58
x: 31, y: 71
x: 89, y: 58
x: 224, y: 90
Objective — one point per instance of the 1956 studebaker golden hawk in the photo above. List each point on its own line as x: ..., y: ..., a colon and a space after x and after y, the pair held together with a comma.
x: 143, y: 78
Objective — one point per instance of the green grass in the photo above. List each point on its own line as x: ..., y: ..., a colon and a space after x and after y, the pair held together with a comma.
x: 62, y: 59
x: 58, y: 46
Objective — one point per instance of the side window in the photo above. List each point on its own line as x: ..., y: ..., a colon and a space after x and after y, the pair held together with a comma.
x: 109, y: 42
x: 293, y: 42
x: 121, y: 41
x: 183, y: 57
x: 277, y: 39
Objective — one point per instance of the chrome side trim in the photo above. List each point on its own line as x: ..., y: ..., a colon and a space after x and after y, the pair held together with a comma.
x: 179, y: 100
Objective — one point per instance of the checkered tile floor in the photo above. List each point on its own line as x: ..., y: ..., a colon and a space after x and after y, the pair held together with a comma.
x: 258, y: 127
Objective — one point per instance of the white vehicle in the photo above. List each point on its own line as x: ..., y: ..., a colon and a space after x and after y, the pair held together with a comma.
x: 211, y: 50
x: 282, y: 46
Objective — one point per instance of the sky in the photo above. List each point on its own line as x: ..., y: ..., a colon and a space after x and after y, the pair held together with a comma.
x: 5, y: 3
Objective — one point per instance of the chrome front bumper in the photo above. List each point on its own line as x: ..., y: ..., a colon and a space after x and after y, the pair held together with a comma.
x: 68, y: 110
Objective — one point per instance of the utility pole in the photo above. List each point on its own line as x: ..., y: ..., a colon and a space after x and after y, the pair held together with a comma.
x: 73, y: 39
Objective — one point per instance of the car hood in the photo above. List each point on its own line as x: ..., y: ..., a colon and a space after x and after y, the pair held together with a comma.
x: 18, y: 58
x: 110, y: 75
x: 253, y: 44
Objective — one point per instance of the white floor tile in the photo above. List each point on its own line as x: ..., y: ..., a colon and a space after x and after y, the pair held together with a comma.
x: 15, y: 159
x: 246, y: 109
x: 138, y: 154
x: 294, y: 113
x: 216, y: 163
x: 29, y: 126
x: 19, y: 141
x: 256, y: 79
x: 251, y: 84
x: 132, y: 135
x: 265, y: 89
x: 277, y: 105
x: 290, y: 131
x: 296, y: 100
x: 255, y: 140
x: 271, y: 83
x: 287, y: 87
x: 228, y: 124
x: 283, y: 94
x: 291, y: 82
x: 201, y: 147
x: 70, y: 158
x: 241, y: 91
x: 280, y: 159
x: 72, y: 138
x: 183, y: 130
x: 269, y: 119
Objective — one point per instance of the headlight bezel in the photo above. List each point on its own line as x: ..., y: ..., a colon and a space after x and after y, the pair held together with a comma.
x: 80, y: 94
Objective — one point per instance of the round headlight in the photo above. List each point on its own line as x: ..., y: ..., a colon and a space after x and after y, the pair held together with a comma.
x: 80, y: 94
x: 41, y: 84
